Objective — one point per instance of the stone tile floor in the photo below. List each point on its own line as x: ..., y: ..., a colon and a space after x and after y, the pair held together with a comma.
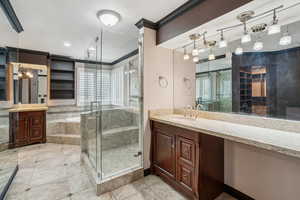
x: 54, y: 172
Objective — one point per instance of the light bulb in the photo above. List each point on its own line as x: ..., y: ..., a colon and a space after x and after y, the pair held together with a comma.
x: 195, y: 52
x: 274, y: 29
x: 20, y: 75
x: 239, y: 51
x: 196, y: 59
x: 211, y: 57
x: 258, y: 46
x: 286, y: 39
x: 246, y: 38
x: 223, y: 43
x: 186, y: 57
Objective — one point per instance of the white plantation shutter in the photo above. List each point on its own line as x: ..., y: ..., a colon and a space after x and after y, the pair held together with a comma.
x: 117, y: 86
x: 94, y: 85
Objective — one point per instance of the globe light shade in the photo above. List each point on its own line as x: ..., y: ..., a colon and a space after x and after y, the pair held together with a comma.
x: 239, y: 51
x: 246, y: 38
x: 223, y: 43
x: 211, y: 57
x: 196, y: 59
x: 258, y: 46
x: 109, y: 17
x: 186, y: 57
x: 285, y: 40
x: 274, y: 29
x: 195, y: 52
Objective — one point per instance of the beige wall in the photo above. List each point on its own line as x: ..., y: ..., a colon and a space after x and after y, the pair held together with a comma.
x: 184, y: 81
x: 157, y: 62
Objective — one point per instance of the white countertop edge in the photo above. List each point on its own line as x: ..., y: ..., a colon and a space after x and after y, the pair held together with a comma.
x: 267, y: 146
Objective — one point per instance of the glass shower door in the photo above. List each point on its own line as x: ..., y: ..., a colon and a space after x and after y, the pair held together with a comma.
x: 121, y: 115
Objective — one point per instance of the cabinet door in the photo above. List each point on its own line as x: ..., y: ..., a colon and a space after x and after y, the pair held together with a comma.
x: 21, y: 134
x: 164, y: 152
x: 186, y: 162
x: 36, y: 120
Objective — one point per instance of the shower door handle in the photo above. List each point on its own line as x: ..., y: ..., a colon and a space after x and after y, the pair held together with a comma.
x: 138, y: 154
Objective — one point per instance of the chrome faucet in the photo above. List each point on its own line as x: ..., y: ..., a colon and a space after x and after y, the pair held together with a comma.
x: 199, y: 107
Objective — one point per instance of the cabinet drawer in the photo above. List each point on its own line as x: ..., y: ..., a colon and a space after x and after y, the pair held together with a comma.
x: 186, y: 149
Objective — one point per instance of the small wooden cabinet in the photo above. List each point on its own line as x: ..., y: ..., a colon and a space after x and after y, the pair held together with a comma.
x: 191, y: 162
x: 27, y: 128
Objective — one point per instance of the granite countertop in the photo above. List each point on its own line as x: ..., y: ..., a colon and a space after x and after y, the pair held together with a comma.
x: 279, y: 141
x: 28, y: 108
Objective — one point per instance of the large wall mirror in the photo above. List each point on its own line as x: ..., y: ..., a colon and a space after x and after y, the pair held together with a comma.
x: 253, y: 68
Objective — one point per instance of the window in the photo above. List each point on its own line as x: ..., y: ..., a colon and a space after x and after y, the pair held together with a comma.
x: 94, y: 85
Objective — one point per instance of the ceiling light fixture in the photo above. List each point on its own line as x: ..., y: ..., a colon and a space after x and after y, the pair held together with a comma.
x: 202, y: 50
x: 222, y: 43
x: 275, y: 27
x: 109, y: 17
x: 67, y: 44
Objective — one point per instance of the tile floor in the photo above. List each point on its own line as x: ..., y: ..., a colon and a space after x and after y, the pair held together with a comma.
x: 53, y: 172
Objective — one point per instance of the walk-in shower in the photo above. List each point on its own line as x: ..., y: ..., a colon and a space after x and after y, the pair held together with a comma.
x: 111, y: 129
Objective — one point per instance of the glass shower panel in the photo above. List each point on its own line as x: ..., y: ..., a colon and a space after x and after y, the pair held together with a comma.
x: 89, y: 98
x: 120, y: 115
x: 8, y: 158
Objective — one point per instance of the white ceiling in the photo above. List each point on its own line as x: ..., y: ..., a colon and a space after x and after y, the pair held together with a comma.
x: 48, y: 23
x: 229, y: 19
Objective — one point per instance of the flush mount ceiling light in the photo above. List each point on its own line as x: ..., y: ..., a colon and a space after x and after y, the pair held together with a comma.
x: 67, y: 44
x: 274, y: 28
x: 109, y: 17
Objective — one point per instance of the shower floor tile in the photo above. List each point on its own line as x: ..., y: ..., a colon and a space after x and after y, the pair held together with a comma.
x: 60, y: 176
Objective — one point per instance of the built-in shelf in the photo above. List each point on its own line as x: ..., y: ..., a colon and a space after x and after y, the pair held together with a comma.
x: 62, y: 85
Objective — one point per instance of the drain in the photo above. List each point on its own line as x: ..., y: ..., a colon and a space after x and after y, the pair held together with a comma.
x: 70, y: 194
x: 27, y: 189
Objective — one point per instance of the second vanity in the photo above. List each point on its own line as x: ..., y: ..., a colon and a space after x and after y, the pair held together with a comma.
x: 188, y: 152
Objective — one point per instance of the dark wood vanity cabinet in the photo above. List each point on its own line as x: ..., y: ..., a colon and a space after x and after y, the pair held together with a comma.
x: 191, y: 162
x: 27, y: 128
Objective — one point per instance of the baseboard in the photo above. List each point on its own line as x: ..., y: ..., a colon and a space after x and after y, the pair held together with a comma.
x: 6, y: 187
x: 147, y: 172
x: 236, y: 194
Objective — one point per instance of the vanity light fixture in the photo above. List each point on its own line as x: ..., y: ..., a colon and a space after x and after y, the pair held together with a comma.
x: 196, y: 59
x: 186, y: 56
x: 109, y: 17
x: 275, y: 27
x: 222, y: 43
x: 239, y: 51
x: 258, y: 46
x: 244, y: 17
x: 195, y: 51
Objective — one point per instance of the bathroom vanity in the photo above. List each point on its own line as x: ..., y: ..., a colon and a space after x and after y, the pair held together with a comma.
x: 27, y: 126
x: 190, y: 161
